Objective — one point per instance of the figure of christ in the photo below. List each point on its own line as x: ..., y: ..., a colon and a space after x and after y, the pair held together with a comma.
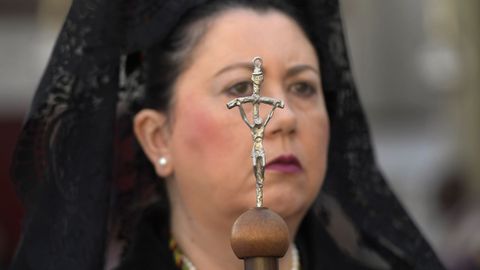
x: 257, y: 129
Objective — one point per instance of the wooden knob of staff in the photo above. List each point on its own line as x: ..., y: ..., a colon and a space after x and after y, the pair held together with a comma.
x: 259, y: 232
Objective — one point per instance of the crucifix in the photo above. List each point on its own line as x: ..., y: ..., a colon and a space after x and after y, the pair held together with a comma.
x: 259, y: 235
x: 257, y: 128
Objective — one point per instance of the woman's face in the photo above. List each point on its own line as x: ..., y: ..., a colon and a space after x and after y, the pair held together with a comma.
x: 210, y: 146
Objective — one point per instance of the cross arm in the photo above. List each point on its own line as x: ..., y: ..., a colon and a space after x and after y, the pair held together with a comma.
x: 272, y: 101
x: 238, y: 101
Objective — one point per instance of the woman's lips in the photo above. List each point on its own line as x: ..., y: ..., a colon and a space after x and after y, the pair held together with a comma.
x: 285, y: 164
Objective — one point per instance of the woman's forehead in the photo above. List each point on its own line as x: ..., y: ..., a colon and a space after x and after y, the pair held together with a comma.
x: 242, y: 34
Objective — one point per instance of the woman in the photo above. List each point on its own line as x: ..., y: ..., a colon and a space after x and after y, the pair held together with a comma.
x: 194, y: 58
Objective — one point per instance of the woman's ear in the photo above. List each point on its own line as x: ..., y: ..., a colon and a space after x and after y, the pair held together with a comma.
x: 152, y: 132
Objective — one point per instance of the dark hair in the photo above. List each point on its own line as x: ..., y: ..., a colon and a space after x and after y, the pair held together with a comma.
x: 164, y: 62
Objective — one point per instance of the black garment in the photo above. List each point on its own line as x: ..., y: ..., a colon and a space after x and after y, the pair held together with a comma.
x: 149, y: 249
x: 63, y: 162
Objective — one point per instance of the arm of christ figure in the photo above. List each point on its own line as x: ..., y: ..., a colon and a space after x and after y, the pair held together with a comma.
x: 269, y: 115
x: 238, y: 102
x: 274, y: 103
x: 244, y: 116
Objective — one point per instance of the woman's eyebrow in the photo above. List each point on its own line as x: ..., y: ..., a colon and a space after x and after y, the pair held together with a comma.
x: 247, y: 65
x: 300, y: 68
x: 243, y: 65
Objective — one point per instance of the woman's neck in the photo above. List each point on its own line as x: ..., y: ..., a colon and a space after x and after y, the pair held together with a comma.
x: 206, y: 242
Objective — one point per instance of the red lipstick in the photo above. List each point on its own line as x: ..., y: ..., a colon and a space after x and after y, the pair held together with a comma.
x: 285, y: 164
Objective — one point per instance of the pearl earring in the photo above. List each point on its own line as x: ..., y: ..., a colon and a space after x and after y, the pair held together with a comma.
x: 162, y: 161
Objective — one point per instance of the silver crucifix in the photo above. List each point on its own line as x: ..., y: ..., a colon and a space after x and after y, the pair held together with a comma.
x: 257, y: 128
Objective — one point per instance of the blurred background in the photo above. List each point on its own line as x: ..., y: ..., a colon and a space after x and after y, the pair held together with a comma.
x: 416, y: 65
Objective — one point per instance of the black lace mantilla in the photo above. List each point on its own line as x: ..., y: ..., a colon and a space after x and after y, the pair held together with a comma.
x: 63, y: 165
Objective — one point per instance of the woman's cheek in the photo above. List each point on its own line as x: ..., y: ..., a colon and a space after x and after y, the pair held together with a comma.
x: 203, y: 133
x: 316, y: 140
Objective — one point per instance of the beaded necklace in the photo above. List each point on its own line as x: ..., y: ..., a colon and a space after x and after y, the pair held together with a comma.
x: 183, y: 263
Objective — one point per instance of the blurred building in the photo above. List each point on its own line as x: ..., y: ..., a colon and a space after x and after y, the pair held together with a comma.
x: 416, y: 64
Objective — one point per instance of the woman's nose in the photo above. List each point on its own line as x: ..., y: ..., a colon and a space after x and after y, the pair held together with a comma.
x: 283, y: 122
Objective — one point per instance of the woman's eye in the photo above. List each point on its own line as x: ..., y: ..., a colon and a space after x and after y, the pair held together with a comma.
x: 240, y: 89
x: 303, y: 89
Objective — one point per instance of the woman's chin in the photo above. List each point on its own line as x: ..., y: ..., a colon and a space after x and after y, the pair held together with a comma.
x: 287, y: 203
